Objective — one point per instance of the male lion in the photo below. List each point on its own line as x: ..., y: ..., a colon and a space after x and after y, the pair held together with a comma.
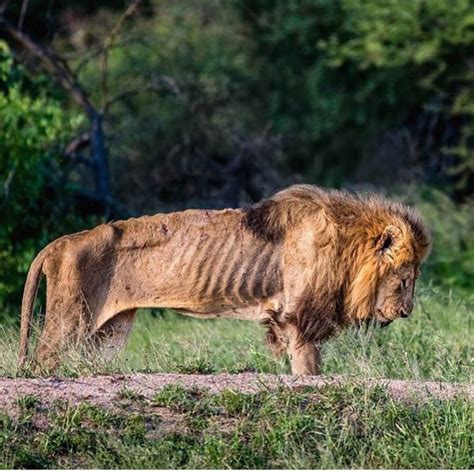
x: 305, y: 262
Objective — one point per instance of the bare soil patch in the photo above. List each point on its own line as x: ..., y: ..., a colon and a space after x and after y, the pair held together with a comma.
x: 107, y: 390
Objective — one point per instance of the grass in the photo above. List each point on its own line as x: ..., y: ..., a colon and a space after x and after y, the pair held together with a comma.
x: 349, y: 427
x: 333, y: 427
x: 434, y: 344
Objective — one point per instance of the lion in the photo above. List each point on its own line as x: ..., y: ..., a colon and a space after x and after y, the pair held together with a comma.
x: 306, y: 262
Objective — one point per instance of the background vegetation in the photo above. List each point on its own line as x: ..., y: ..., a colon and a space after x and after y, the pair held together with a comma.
x: 217, y: 104
x: 118, y: 108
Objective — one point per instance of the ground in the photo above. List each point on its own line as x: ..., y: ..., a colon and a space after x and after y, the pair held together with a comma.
x: 105, y: 390
x: 214, y: 404
x: 237, y: 423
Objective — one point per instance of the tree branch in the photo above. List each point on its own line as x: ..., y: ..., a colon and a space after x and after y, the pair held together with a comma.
x: 52, y: 64
x: 24, y: 7
x: 145, y: 89
x: 109, y: 42
x: 77, y: 143
x: 83, y: 57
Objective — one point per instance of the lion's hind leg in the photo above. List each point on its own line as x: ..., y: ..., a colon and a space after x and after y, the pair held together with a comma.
x: 112, y: 336
x: 64, y: 328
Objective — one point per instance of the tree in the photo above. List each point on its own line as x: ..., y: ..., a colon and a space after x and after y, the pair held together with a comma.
x: 33, y: 127
x: 58, y: 68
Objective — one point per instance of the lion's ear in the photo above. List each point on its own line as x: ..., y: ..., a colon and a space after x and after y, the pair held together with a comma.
x: 388, y: 240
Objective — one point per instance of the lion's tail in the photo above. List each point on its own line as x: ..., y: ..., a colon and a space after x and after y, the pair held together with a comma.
x: 27, y: 305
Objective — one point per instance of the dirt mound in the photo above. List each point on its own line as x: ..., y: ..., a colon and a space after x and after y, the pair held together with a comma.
x: 104, y: 389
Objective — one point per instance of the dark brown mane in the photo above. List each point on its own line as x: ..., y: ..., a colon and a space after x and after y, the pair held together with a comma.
x: 257, y: 219
x: 319, y: 318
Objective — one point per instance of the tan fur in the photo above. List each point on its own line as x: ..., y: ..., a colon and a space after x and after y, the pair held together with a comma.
x: 305, y: 262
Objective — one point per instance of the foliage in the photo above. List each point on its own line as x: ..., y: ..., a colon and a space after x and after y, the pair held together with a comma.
x: 337, y: 91
x: 307, y: 86
x: 181, y: 78
x: 337, y: 75
x: 32, y: 123
x: 451, y: 263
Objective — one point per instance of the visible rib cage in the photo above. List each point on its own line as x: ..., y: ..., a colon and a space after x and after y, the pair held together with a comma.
x: 222, y: 272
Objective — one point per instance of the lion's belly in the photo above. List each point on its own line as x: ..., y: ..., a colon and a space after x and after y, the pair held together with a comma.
x: 256, y: 312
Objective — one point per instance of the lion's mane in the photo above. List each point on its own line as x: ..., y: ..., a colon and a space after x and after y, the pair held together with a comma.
x: 348, y: 228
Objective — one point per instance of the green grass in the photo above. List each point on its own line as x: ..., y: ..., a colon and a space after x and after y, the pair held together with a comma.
x: 349, y: 427
x: 333, y: 427
x: 435, y: 343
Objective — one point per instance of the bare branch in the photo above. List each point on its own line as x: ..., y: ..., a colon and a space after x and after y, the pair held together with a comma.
x: 83, y: 57
x: 167, y: 85
x: 52, y: 64
x: 24, y: 6
x: 109, y: 42
x: 77, y: 143
x: 60, y: 70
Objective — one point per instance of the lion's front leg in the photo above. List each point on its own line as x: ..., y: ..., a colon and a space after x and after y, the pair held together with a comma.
x: 305, y: 358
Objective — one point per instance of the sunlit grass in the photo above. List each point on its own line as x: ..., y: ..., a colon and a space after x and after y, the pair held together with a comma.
x: 349, y: 426
x: 435, y: 343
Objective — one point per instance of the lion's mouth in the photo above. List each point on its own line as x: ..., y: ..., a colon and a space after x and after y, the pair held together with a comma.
x: 382, y: 320
x: 378, y: 319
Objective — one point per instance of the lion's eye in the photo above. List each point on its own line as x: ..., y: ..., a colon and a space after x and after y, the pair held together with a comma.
x: 404, y: 284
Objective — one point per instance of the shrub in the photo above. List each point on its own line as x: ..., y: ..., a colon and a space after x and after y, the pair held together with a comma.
x: 451, y: 262
x: 334, y: 76
x: 33, y: 125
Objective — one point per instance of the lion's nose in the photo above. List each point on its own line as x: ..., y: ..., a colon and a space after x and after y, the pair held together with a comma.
x: 403, y: 314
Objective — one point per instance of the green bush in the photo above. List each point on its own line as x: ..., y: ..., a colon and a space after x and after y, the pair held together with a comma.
x: 328, y: 81
x: 336, y: 75
x: 451, y: 262
x: 32, y: 126
x: 186, y: 71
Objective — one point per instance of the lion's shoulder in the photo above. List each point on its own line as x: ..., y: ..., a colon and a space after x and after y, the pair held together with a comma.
x: 272, y: 218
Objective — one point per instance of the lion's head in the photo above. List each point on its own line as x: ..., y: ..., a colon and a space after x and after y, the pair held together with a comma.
x: 394, y: 296
x: 384, y: 285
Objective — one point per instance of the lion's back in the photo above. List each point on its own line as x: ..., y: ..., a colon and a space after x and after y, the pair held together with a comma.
x: 205, y: 261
